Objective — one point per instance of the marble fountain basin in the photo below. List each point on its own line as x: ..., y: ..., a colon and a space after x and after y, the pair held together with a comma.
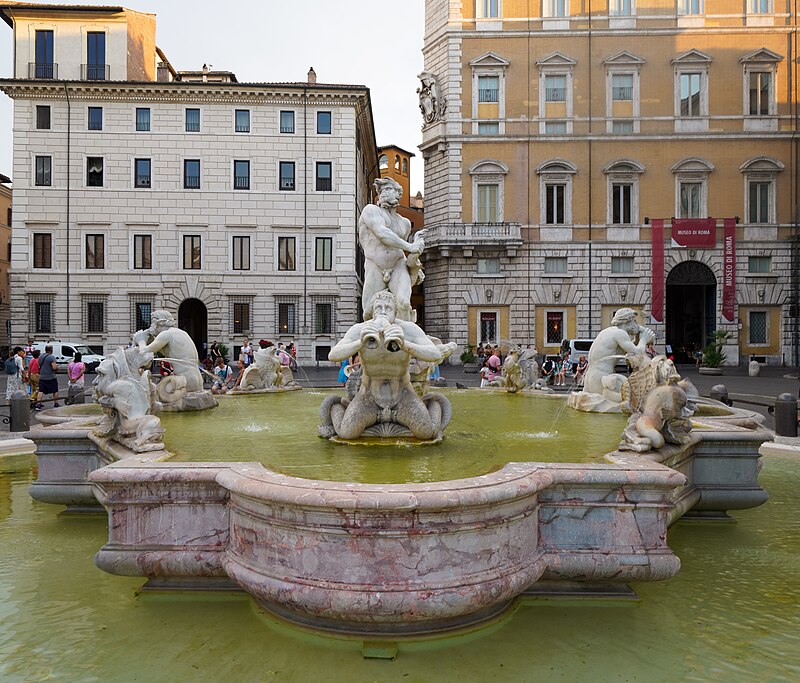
x: 423, y: 556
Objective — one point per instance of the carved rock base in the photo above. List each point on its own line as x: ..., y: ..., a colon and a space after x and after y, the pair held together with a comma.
x: 270, y: 390
x: 195, y: 400
x: 592, y: 403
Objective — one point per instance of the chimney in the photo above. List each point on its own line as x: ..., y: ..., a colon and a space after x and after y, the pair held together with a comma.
x: 162, y: 73
x: 312, y: 75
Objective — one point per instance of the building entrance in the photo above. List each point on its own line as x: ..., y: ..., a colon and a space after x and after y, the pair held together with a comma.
x: 691, y: 309
x: 193, y: 319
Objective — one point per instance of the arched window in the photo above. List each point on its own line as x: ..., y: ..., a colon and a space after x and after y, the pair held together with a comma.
x: 396, y: 162
x: 555, y: 192
x: 383, y: 162
x: 405, y: 166
x: 691, y: 187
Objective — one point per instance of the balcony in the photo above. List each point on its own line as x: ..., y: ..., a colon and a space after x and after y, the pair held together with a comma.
x: 95, y: 72
x: 468, y: 236
x: 43, y: 71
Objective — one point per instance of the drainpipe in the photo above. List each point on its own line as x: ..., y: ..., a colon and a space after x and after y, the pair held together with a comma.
x: 304, y: 327
x: 69, y: 165
x: 591, y: 275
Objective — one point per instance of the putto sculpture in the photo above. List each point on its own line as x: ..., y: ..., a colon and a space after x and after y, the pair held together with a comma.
x: 431, y: 103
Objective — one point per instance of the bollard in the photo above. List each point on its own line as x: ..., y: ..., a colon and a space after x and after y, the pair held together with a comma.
x: 719, y: 392
x: 19, y: 412
x: 786, y: 415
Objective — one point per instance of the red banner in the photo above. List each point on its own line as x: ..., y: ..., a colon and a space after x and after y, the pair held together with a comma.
x: 657, y: 307
x: 695, y: 233
x: 729, y: 271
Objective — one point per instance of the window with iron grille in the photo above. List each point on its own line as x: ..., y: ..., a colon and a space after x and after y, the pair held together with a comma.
x: 95, y: 251
x: 555, y: 327
x: 94, y: 171
x: 488, y: 88
x: 555, y: 265
x: 241, y: 309
x: 94, y: 314
x: 324, y: 176
x: 42, y: 117
x: 286, y: 315
x: 42, y: 250
x: 287, y: 122
x: 324, y: 307
x: 241, y: 175
x: 142, y: 252
x: 142, y: 118
x: 323, y: 122
x: 286, y: 175
x: 191, y: 252
x: 44, y: 171
x: 323, y: 251
x: 141, y: 172
x: 191, y: 174
x: 40, y: 316
x: 241, y: 252
x: 758, y: 327
x: 286, y: 247
x: 759, y: 264
x: 242, y: 121
x: 142, y: 306
x: 192, y: 120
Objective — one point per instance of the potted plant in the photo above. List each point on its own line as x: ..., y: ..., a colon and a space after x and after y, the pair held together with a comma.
x: 469, y: 359
x: 713, y: 355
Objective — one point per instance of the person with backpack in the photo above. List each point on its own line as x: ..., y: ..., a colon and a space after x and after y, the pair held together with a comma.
x: 48, y: 382
x: 15, y: 372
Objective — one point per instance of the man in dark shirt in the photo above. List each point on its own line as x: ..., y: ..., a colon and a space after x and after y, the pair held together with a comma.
x: 48, y: 382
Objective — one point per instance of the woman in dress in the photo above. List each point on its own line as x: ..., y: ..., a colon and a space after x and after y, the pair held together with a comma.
x: 15, y: 379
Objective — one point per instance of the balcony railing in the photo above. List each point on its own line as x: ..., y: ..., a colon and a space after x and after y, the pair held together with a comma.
x: 95, y: 72
x: 143, y: 180
x: 43, y: 71
x: 241, y: 183
x: 473, y: 234
x: 191, y: 182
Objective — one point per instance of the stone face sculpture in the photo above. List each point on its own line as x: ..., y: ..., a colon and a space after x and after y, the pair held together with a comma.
x: 602, y: 386
x: 659, y: 408
x: 184, y: 389
x: 123, y: 388
x: 386, y: 403
x: 266, y: 374
x: 431, y: 104
x: 383, y: 235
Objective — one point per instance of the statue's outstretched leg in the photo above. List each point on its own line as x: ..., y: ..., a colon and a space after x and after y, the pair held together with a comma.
x: 351, y: 420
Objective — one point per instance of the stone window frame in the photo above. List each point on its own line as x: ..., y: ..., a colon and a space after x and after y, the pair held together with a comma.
x: 35, y: 170
x: 489, y: 172
x: 490, y: 23
x: 293, y: 300
x: 623, y: 63
x: 487, y: 309
x: 34, y: 232
x: 552, y: 21
x: 332, y: 239
x: 248, y: 251
x: 324, y: 300
x: 294, y: 259
x: 43, y: 298
x: 616, y: 19
x: 760, y: 61
x: 564, y: 324
x: 551, y: 172
x: 691, y: 62
x: 761, y: 169
x: 93, y: 298
x: 86, y: 185
x: 93, y: 232
x: 142, y: 231
x: 686, y: 18
x: 760, y: 258
x: 623, y: 171
x: 692, y: 170
x: 556, y: 64
x: 755, y: 17
x: 489, y: 64
x: 189, y: 231
x: 241, y: 299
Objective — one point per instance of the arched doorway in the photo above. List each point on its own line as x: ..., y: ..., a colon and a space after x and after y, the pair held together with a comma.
x: 193, y: 319
x: 691, y: 309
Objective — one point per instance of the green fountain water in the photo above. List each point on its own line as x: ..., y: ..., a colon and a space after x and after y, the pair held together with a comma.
x: 489, y: 429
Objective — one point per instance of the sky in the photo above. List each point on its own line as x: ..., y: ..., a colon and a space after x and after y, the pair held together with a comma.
x: 359, y: 42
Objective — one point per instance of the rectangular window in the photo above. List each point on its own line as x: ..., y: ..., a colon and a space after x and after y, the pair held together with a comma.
x: 142, y: 118
x: 287, y: 319
x: 286, y: 175
x: 286, y: 253
x: 191, y: 252
x: 622, y: 264
x: 44, y: 171
x: 555, y: 265
x: 690, y: 7
x: 142, y: 311
x: 287, y: 122
x: 242, y: 121
x: 96, y: 56
x: 487, y: 203
x: 490, y: 128
x: 488, y: 266
x: 759, y: 202
x: 489, y: 9
x: 241, y: 317
x: 690, y: 199
x: 622, y: 8
x: 191, y: 174
x: 241, y: 252
x: 690, y: 94
x: 622, y: 126
x: 622, y: 87
x: 758, y: 327
x: 43, y: 316
x: 44, y: 66
x: 142, y: 172
x: 95, y: 251
x: 323, y: 318
x: 95, y: 317
x: 621, y: 203
x: 760, y: 84
x: 555, y: 88
x: 554, y: 204
x: 95, y: 118
x: 323, y: 252
x: 323, y: 123
x: 760, y: 6
x: 42, y: 117
x: 192, y: 120
x: 142, y: 253
x: 759, y: 264
x: 42, y: 250
x: 488, y: 89
x: 241, y: 175
x: 555, y: 127
x: 94, y: 171
x: 555, y: 327
x: 324, y: 176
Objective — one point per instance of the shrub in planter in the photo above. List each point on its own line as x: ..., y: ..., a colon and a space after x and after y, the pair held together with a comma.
x: 713, y: 355
x: 469, y: 359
